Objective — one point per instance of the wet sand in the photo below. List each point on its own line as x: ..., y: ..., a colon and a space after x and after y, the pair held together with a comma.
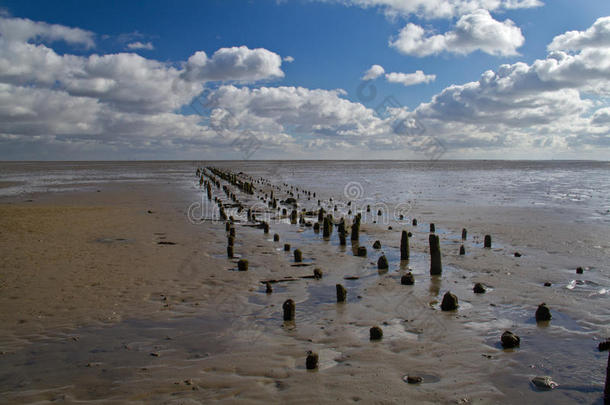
x: 94, y: 308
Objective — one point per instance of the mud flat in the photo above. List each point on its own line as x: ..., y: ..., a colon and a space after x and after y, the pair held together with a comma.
x: 117, y: 296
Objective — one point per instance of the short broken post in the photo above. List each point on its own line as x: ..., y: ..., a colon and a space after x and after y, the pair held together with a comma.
x: 487, y: 242
x: 341, y: 293
x: 298, y: 256
x: 289, y: 308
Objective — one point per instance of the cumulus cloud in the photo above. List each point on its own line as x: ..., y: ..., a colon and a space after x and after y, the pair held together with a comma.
x: 288, y: 59
x: 113, y: 99
x: 439, y: 8
x: 127, y: 81
x: 475, y: 31
x: 23, y: 30
x: 601, y: 117
x: 596, y: 36
x: 236, y: 63
x: 141, y: 45
x: 410, y: 79
x: 306, y: 111
x: 545, y: 104
x: 373, y: 73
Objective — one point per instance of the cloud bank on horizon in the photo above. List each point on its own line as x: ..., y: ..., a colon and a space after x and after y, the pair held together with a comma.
x: 60, y: 99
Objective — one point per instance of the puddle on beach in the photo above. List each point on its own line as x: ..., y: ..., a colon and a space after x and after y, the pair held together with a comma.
x: 561, y: 348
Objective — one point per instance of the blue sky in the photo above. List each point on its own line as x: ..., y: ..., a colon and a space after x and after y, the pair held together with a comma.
x: 333, y: 44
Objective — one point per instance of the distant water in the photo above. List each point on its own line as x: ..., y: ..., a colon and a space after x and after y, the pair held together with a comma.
x: 582, y: 186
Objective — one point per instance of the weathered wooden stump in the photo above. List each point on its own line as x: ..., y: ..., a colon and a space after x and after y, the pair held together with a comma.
x: 361, y: 251
x: 407, y: 279
x: 327, y: 228
x: 341, y: 293
x: 286, y: 247
x: 404, y: 246
x: 450, y: 302
x: 356, y: 229
x: 298, y: 256
x: 276, y: 237
x: 242, y: 265
x: 289, y: 308
x: 543, y: 313
x: 487, y: 242
x: 509, y: 340
x: 462, y: 250
x: 382, y: 263
x: 464, y: 234
x: 317, y: 273
x: 605, y: 346
x: 293, y: 217
x: 375, y: 333
x: 436, y: 267
x: 230, y: 251
x: 342, y: 233
x: 311, y: 362
x: 479, y: 288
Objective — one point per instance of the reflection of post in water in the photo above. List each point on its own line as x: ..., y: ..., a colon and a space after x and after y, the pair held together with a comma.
x: 435, y: 285
x: 404, y: 266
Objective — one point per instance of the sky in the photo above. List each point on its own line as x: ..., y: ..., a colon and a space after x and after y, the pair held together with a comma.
x: 305, y: 79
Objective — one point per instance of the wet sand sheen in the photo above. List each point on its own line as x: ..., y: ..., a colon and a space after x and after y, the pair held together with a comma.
x: 208, y: 333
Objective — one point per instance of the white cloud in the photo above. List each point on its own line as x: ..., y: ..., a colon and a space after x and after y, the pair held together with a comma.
x: 475, y: 31
x: 124, y: 103
x: 410, y: 79
x: 288, y: 59
x: 23, y: 30
x: 601, y: 117
x: 277, y: 109
x: 545, y: 104
x: 122, y: 100
x: 596, y: 36
x: 236, y: 63
x: 141, y: 45
x: 433, y: 9
x: 127, y: 81
x: 373, y: 73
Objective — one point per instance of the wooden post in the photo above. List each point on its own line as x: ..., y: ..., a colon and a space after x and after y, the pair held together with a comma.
x: 487, y: 242
x: 289, y: 308
x: 404, y: 246
x: 436, y: 267
x: 341, y: 293
x: 356, y: 229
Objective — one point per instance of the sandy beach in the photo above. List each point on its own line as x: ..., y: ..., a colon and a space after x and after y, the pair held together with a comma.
x: 112, y: 294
